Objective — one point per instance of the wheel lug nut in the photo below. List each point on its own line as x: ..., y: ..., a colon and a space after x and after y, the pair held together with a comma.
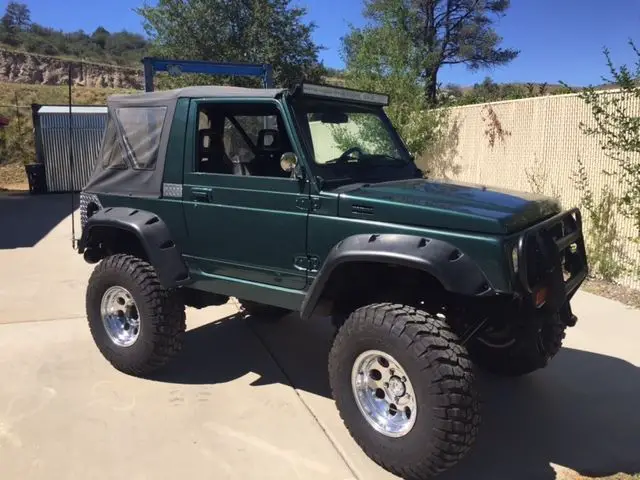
x: 386, y: 384
x: 404, y: 379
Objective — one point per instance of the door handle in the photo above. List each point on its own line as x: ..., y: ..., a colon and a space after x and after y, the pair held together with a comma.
x: 201, y: 194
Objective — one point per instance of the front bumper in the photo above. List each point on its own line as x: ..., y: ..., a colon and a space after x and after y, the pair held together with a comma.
x: 552, y: 257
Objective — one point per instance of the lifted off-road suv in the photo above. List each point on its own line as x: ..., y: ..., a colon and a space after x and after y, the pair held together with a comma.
x: 307, y: 200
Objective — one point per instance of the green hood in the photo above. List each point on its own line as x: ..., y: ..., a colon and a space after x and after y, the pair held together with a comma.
x: 445, y: 205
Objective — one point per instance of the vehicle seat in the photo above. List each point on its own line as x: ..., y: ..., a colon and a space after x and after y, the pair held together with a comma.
x: 267, y: 161
x: 212, y: 157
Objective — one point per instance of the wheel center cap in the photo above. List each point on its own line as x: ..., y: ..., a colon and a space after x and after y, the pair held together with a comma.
x: 396, y: 386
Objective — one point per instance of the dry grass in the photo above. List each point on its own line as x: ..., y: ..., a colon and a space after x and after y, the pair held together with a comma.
x: 626, y: 295
x: 69, y: 58
x: 13, y: 177
x: 48, y: 94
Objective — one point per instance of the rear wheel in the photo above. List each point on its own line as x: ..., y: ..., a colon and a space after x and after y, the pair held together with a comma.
x: 512, y: 354
x: 137, y: 324
x: 404, y: 388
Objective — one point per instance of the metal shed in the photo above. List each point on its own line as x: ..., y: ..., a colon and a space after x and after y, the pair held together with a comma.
x: 51, y: 130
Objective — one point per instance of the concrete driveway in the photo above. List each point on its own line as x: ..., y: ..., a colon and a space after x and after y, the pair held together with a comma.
x: 250, y: 399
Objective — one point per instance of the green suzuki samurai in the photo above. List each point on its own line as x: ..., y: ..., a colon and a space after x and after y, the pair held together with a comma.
x: 307, y: 200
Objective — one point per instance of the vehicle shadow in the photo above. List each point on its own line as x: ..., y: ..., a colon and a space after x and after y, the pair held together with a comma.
x: 581, y: 412
x: 26, y: 219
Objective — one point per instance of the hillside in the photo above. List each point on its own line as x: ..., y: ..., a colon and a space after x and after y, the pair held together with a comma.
x: 51, y: 95
x: 23, y: 67
x: 17, y: 31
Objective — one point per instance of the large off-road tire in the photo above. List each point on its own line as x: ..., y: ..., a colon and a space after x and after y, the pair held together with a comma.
x: 412, y: 360
x: 519, y: 354
x: 262, y: 311
x: 131, y: 287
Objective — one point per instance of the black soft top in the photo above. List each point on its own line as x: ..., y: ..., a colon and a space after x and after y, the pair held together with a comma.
x: 132, y: 154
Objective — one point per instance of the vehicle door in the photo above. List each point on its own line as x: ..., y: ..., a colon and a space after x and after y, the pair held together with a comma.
x: 246, y: 217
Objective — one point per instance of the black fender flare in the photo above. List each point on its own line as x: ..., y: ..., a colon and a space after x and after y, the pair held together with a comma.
x: 457, y: 272
x: 154, y: 235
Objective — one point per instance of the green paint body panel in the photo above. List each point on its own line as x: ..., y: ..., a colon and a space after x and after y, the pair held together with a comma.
x: 170, y: 210
x: 249, y: 237
x: 460, y: 207
x: 488, y: 252
x: 239, y: 230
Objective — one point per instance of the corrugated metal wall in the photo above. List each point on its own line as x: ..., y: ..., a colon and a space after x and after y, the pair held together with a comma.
x: 87, y: 135
x: 540, y: 144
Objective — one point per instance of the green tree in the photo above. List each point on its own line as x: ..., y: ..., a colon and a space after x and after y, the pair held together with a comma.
x: 435, y: 33
x: 100, y: 37
x: 16, y: 29
x: 487, y: 91
x: 617, y: 126
x: 16, y: 18
x: 380, y: 60
x: 256, y: 31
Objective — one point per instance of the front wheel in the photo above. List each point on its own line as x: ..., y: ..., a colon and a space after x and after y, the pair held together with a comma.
x: 403, y: 385
x: 137, y: 324
x: 505, y: 352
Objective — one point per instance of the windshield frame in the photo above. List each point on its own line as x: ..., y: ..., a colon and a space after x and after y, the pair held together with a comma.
x: 293, y: 105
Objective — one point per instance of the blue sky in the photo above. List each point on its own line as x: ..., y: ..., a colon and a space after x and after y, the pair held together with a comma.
x: 558, y: 39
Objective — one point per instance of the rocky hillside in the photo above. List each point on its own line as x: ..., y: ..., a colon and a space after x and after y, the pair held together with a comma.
x: 23, y: 67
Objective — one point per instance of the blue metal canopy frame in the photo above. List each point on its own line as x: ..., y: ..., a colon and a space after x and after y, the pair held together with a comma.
x: 177, y: 67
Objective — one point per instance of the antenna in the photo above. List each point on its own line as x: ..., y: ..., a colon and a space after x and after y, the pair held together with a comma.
x: 71, y: 167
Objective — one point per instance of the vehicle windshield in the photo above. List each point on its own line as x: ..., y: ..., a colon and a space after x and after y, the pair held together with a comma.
x: 351, y: 142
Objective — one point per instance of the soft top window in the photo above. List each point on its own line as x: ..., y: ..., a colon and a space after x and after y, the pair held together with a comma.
x: 141, y: 129
x: 112, y: 154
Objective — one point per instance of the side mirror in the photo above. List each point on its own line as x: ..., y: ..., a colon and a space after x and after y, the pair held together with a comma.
x: 289, y: 163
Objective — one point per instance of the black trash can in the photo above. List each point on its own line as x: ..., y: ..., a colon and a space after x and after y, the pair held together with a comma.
x: 37, y: 181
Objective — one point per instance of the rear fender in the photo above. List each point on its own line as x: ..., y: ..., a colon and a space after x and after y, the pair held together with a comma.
x: 150, y: 230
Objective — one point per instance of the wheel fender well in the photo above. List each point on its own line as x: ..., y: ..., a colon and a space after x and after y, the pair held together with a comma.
x: 136, y: 232
x: 439, y: 263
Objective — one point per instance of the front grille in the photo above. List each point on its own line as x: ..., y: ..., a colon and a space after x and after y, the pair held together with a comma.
x: 553, y: 253
x: 535, y: 268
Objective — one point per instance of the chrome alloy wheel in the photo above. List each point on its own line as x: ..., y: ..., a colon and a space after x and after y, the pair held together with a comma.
x: 120, y: 316
x: 384, y: 393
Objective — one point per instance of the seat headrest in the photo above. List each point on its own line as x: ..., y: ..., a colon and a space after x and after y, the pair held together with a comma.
x: 209, y: 139
x: 268, y: 140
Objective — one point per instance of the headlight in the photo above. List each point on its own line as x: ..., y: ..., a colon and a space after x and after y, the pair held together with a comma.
x: 514, y: 259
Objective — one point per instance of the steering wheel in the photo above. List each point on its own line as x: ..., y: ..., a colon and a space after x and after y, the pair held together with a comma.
x: 347, y: 154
